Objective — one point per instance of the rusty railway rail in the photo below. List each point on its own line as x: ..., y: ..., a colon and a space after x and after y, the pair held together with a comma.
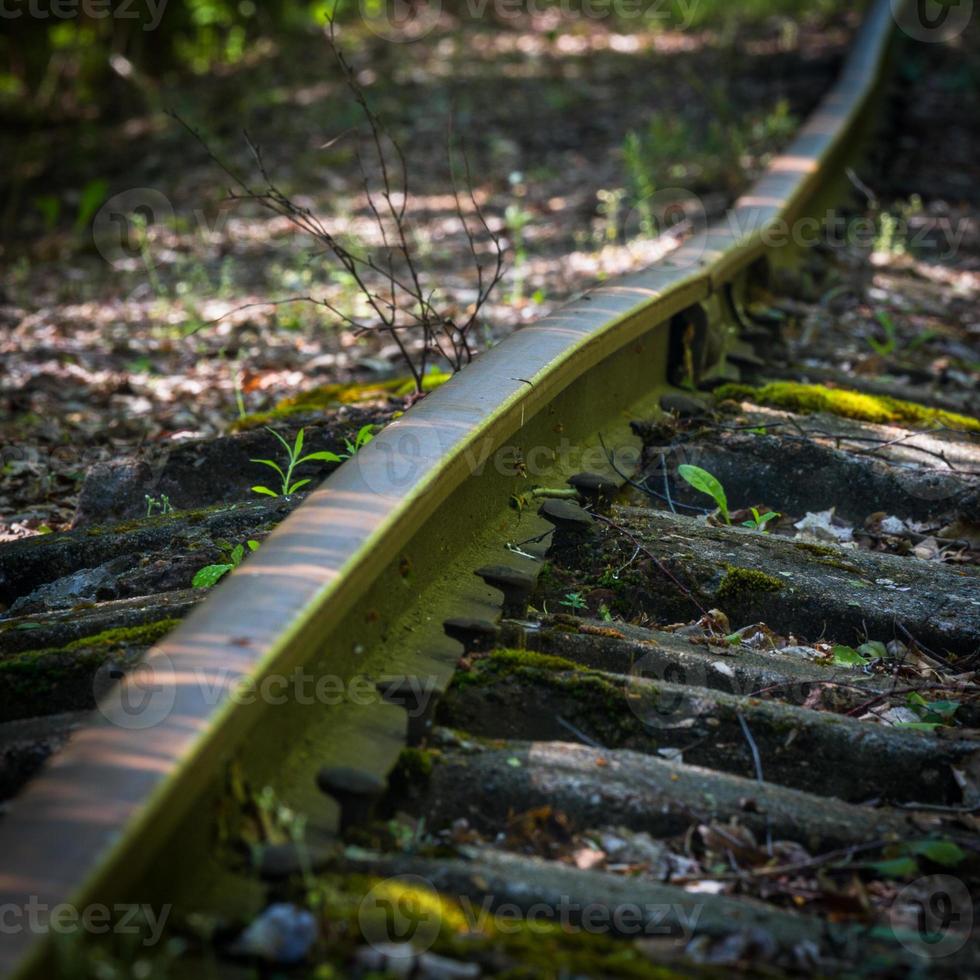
x: 357, y: 583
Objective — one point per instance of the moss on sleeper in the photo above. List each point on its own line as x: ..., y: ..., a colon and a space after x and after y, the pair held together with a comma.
x: 60, y: 678
x: 462, y: 931
x: 739, y: 583
x: 329, y: 396
x: 502, y: 662
x: 882, y: 409
x: 412, y: 771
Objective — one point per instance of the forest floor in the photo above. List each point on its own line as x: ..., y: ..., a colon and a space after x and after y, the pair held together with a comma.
x: 108, y: 340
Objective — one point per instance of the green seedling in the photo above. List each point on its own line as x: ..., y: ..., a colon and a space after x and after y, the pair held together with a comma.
x: 932, y: 714
x: 848, y: 657
x: 209, y: 575
x: 890, y: 343
x: 573, y: 600
x: 903, y: 859
x: 704, y: 482
x: 364, y: 435
x: 845, y: 656
x: 293, y: 459
x: 161, y: 504
x: 758, y: 522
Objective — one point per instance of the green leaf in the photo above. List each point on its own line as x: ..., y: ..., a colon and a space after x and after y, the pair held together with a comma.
x: 237, y: 554
x: 50, y: 207
x: 285, y: 445
x: 944, y: 709
x: 298, y: 445
x: 325, y: 455
x: 270, y: 462
x: 205, y: 577
x: 297, y: 485
x: 252, y: 545
x: 703, y: 481
x: 902, y: 867
x: 364, y: 435
x: 873, y: 650
x: 93, y: 194
x: 918, y: 726
x: 943, y: 852
x: 265, y: 490
x: 848, y: 657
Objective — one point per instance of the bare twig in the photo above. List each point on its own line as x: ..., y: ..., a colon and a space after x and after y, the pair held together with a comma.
x: 388, y: 277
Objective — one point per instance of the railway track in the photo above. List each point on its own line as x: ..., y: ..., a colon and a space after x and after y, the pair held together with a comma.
x: 498, y: 698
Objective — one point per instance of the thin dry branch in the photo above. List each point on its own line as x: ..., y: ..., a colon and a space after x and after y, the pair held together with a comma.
x: 389, y: 278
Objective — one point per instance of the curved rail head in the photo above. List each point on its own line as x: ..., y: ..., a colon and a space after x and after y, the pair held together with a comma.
x: 87, y: 824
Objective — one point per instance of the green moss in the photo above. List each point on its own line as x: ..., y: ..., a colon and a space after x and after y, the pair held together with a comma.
x: 503, y: 662
x: 506, y: 660
x: 129, y: 636
x: 881, y: 409
x: 821, y: 550
x: 507, y: 946
x: 328, y: 396
x: 120, y: 636
x: 195, y: 516
x: 741, y: 582
x: 412, y: 772
x: 60, y: 678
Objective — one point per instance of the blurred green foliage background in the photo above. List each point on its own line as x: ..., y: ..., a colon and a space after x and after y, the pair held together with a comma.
x: 63, y: 65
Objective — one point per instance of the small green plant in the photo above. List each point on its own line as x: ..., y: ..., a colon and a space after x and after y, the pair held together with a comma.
x: 364, y: 435
x: 932, y: 714
x: 90, y: 200
x: 902, y: 860
x: 517, y: 218
x: 293, y: 460
x: 604, y: 614
x: 573, y: 600
x: 207, y: 576
x: 890, y: 343
x: 866, y: 653
x: 161, y: 504
x: 704, y: 482
x: 759, y: 521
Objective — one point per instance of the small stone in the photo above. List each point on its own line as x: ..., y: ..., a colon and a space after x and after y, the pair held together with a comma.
x: 283, y: 933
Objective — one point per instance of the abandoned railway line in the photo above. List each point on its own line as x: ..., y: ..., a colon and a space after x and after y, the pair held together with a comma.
x: 509, y: 695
